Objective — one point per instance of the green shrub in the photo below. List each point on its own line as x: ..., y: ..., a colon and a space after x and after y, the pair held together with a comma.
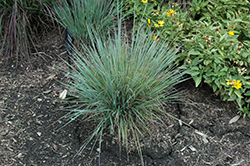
x: 18, y: 19
x: 79, y: 14
x: 219, y: 42
x: 215, y: 34
x: 221, y: 57
x: 123, y: 84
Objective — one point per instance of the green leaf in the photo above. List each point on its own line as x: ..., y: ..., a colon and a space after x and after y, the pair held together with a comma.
x: 247, y: 83
x: 247, y: 93
x: 202, y: 47
x: 193, y: 73
x: 221, y: 38
x: 193, y: 52
x: 206, y: 62
x: 230, y: 92
x: 214, y: 86
x: 224, y: 69
x: 230, y: 99
x: 184, y: 67
x: 195, y: 61
x: 208, y: 81
x: 195, y: 68
x: 239, y: 102
x: 238, y: 93
x: 197, y: 80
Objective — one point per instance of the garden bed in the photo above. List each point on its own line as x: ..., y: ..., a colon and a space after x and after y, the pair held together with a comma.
x: 30, y: 112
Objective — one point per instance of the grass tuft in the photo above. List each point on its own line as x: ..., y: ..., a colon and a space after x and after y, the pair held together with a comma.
x: 76, y: 15
x: 18, y: 19
x: 123, y: 85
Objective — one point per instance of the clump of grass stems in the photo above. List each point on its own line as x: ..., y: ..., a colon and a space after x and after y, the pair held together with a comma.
x: 123, y: 85
x: 78, y: 14
x: 18, y: 18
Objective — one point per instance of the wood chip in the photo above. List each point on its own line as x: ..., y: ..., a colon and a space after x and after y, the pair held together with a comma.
x: 239, y: 163
x: 38, y: 122
x: 4, y: 133
x: 51, y: 77
x: 47, y: 91
x: 200, y: 133
x: 192, y: 148
x: 183, y: 148
x: 19, y: 155
x: 234, y: 119
x: 204, y: 139
x: 63, y: 94
x: 39, y: 134
x: 55, y: 147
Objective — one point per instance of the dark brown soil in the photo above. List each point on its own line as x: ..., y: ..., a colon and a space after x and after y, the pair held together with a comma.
x: 30, y: 112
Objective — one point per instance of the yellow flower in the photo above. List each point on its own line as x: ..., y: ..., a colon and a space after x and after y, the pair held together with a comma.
x: 161, y: 23
x: 149, y: 23
x: 144, y: 1
x: 156, y: 25
x: 245, y: 27
x: 229, y: 82
x: 171, y: 12
x: 231, y: 33
x: 168, y: 14
x: 237, y: 84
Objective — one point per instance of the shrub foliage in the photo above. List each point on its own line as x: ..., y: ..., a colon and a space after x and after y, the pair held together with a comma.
x: 215, y: 34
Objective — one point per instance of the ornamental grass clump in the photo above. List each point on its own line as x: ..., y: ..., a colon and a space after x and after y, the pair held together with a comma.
x: 123, y: 85
x: 19, y: 21
x: 78, y: 14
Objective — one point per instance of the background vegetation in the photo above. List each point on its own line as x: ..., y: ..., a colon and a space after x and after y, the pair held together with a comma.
x: 215, y: 35
x: 20, y: 20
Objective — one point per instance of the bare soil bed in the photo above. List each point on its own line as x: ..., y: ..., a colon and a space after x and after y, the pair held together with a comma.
x: 30, y: 112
